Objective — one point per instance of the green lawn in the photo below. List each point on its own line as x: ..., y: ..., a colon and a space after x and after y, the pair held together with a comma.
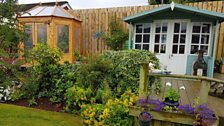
x: 11, y: 115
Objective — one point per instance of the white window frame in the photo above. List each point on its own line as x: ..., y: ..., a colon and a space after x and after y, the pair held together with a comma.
x: 142, y: 33
x: 199, y: 44
x: 154, y: 36
x: 179, y: 36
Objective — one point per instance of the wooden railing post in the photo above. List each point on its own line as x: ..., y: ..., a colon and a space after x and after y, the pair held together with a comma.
x: 143, y: 86
x: 203, y: 97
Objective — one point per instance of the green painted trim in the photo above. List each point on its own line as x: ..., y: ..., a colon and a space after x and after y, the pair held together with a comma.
x: 183, y: 8
x: 215, y: 46
x: 211, y: 40
x: 131, y: 29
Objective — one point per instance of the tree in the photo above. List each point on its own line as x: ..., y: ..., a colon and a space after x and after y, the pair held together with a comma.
x: 10, y: 36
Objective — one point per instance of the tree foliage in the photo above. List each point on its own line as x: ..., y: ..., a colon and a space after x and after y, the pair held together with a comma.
x: 10, y: 36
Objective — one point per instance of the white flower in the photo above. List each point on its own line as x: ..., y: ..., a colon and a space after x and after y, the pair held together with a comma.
x: 151, y: 66
x: 182, y: 88
x: 7, y: 92
x: 168, y: 84
x: 1, y: 96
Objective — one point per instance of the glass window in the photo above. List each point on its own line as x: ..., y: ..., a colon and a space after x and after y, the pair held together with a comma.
x: 29, y: 41
x: 63, y: 37
x: 142, y: 36
x: 41, y: 33
x: 160, y: 38
x: 200, y: 37
x: 179, y: 37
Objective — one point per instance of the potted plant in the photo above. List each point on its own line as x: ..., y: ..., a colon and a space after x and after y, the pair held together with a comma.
x: 144, y: 118
x: 172, y: 97
x: 204, y: 116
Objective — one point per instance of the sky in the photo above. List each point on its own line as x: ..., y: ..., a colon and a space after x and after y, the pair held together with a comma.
x: 86, y: 4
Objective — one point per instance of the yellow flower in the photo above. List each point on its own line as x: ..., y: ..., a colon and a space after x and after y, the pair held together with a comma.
x: 87, y: 122
x: 92, y: 114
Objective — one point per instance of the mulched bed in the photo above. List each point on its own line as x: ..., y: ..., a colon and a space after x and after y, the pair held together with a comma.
x: 42, y: 103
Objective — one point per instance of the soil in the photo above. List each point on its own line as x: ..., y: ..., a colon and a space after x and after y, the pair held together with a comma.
x: 42, y: 103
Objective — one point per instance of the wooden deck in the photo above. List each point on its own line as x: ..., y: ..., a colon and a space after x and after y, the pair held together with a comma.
x: 187, y: 96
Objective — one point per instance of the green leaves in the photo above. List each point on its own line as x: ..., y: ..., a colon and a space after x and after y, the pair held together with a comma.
x: 117, y: 37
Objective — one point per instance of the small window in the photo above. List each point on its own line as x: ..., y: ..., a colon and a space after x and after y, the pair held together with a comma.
x: 63, y: 37
x: 200, y: 37
x: 142, y: 36
x: 160, y: 38
x: 41, y: 33
x: 179, y: 37
x: 29, y: 41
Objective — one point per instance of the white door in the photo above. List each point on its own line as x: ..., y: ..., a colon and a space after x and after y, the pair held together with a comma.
x: 170, y: 44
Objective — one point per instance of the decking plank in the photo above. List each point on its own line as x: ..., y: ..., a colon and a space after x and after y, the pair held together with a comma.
x: 183, y: 93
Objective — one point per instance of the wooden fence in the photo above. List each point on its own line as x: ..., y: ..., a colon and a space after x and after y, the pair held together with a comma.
x: 97, y: 20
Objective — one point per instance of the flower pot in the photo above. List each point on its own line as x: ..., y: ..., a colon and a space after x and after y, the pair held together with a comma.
x: 144, y: 123
x: 171, y: 103
x: 144, y: 118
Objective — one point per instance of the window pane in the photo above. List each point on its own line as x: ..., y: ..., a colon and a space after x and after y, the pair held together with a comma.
x: 41, y: 33
x: 205, y: 28
x: 157, y: 38
x: 205, y: 48
x: 137, y: 46
x: 158, y: 28
x: 63, y: 37
x: 163, y: 39
x: 164, y: 28
x: 138, y: 38
x: 175, y: 47
x: 204, y: 39
x: 163, y: 49
x: 29, y: 41
x: 146, y: 47
x: 176, y: 27
x: 146, y: 38
x: 156, y: 48
x: 181, y: 49
x: 195, y: 39
x: 138, y: 28
x: 194, y: 49
x: 183, y: 27
x: 147, y: 28
x: 182, y: 38
x: 175, y: 38
x: 196, y: 28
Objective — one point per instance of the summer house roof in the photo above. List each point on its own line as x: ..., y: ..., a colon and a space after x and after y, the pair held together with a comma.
x: 40, y: 11
x: 176, y: 8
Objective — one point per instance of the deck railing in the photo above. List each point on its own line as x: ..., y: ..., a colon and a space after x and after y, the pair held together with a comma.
x: 172, y: 118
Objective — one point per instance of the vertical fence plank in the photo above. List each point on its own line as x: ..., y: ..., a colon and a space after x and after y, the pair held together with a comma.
x: 90, y: 26
x: 144, y: 72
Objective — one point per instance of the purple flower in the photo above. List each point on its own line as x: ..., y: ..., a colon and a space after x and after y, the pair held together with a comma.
x: 187, y: 108
x: 145, y: 116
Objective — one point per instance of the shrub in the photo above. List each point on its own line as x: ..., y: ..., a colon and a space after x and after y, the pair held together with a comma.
x: 117, y: 37
x: 115, y: 112
x: 125, y: 73
x: 48, y: 77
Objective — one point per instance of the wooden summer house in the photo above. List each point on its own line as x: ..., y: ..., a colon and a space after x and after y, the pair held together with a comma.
x: 52, y: 25
x: 176, y: 32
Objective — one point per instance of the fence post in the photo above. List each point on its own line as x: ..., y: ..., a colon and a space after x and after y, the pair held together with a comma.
x: 203, y: 97
x: 143, y: 85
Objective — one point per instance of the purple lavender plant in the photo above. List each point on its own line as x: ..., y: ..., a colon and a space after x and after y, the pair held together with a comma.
x: 145, y: 116
x: 187, y: 108
x: 204, y: 112
x: 158, y: 105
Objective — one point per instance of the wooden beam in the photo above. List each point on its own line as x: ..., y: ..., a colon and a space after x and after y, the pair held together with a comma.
x: 143, y: 86
x: 189, y: 77
x: 203, y: 97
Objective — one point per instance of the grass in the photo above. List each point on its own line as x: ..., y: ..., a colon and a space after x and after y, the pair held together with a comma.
x: 11, y: 115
